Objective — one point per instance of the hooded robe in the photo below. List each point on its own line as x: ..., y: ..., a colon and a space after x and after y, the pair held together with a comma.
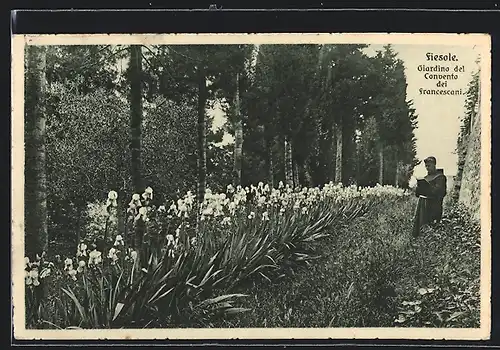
x: 430, y: 200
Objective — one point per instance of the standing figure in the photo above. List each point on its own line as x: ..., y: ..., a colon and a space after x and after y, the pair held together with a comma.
x: 430, y: 192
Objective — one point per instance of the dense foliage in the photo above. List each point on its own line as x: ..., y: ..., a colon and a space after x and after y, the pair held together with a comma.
x: 318, y: 113
x: 471, y: 112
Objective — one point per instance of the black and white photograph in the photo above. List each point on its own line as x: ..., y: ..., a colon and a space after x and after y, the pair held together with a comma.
x: 251, y: 186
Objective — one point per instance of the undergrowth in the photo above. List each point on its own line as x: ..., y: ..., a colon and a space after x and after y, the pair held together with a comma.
x: 373, y: 273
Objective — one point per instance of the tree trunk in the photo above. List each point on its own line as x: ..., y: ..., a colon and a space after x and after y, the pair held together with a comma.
x: 238, y: 139
x: 296, y: 182
x: 307, y: 175
x: 348, y: 154
x: 136, y: 116
x: 80, y: 206
x: 358, y: 163
x: 301, y: 171
x: 302, y: 177
x: 37, y: 240
x: 381, y: 165
x: 202, y: 136
x: 326, y: 161
x: 288, y: 162
x: 396, y: 182
x: 269, y: 157
x: 135, y: 143
x: 338, y: 157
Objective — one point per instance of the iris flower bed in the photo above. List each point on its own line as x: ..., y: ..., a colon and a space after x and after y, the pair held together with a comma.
x: 189, y: 258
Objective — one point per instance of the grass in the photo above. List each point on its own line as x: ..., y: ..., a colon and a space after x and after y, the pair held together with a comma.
x: 373, y: 273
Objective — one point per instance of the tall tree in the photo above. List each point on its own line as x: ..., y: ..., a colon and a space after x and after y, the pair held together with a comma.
x: 136, y: 128
x: 247, y: 70
x: 390, y: 105
x: 263, y: 100
x: 37, y: 240
x: 202, y: 136
x: 320, y: 159
x: 343, y: 72
x: 238, y: 133
x: 192, y: 74
x: 136, y: 116
x: 283, y: 81
x: 288, y: 162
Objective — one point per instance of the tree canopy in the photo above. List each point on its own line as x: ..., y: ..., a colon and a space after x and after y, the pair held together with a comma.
x: 307, y: 114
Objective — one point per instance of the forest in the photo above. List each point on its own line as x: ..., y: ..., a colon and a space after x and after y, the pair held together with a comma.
x: 175, y: 185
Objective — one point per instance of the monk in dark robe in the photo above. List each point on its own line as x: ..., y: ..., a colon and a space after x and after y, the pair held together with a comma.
x: 430, y: 192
